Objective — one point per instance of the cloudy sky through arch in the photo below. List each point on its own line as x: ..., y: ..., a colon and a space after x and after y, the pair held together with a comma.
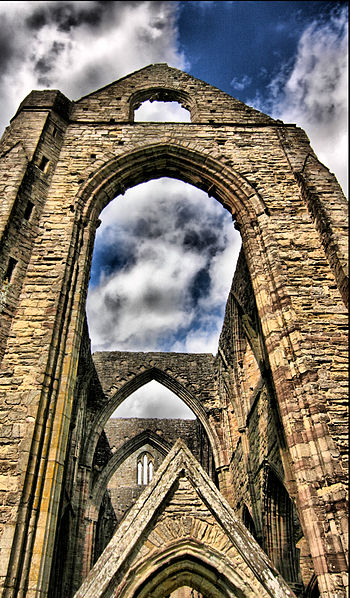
x: 162, y: 268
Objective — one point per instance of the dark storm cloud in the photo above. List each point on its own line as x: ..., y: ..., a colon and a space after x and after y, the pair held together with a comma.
x: 203, y: 239
x: 201, y: 285
x: 7, y: 47
x: 184, y: 213
x: 114, y: 304
x: 65, y: 16
x: 147, y: 227
x: 44, y: 65
x: 79, y: 46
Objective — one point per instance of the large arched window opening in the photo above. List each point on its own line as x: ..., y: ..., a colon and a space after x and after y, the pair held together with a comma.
x: 162, y: 268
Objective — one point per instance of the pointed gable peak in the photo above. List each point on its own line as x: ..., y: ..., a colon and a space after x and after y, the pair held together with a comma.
x: 161, y: 82
x: 181, y: 523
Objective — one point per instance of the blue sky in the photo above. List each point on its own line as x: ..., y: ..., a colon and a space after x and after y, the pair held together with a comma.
x: 165, y: 254
x: 241, y: 46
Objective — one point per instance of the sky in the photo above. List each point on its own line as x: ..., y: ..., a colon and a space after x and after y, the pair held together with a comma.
x: 165, y: 254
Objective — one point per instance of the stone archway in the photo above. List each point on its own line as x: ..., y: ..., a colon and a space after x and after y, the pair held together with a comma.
x: 172, y: 379
x: 190, y: 572
x: 259, y: 169
x: 159, y: 547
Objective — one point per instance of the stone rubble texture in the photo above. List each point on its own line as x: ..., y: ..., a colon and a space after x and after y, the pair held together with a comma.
x: 271, y: 405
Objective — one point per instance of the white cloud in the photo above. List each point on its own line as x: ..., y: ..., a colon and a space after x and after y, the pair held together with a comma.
x: 241, y: 83
x: 162, y: 112
x: 77, y: 47
x: 168, y: 254
x: 314, y: 94
x: 154, y: 400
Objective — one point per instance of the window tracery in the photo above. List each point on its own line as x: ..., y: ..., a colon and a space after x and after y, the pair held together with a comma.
x: 145, y: 468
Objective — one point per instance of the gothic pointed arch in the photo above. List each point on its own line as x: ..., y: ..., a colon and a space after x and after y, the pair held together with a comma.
x: 136, y: 165
x: 129, y: 447
x: 183, y: 391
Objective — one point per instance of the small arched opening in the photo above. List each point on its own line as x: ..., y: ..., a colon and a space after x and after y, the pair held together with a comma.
x: 161, y: 104
x: 162, y: 112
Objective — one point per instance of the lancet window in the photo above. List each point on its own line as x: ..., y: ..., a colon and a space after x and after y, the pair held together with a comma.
x: 145, y: 467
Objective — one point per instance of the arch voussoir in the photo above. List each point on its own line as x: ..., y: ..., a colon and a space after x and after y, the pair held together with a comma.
x: 189, y: 164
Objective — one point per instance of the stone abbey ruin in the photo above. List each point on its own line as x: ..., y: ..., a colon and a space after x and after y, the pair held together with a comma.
x: 248, y: 499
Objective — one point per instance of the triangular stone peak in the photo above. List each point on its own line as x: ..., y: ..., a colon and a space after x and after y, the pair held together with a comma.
x: 182, y: 532
x: 159, y: 82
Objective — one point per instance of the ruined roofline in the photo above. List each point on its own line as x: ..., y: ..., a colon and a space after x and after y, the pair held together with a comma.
x: 151, y: 353
x: 171, y: 68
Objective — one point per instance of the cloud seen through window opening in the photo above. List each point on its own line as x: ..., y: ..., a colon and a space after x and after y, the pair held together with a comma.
x: 163, y: 264
x: 156, y: 401
x: 161, y: 112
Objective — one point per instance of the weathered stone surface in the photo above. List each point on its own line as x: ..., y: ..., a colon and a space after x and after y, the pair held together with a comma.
x: 272, y: 402
x: 182, y: 515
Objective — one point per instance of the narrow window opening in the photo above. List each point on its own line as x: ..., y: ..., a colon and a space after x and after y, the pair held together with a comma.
x: 10, y: 269
x: 144, y: 469
x: 43, y: 164
x: 54, y: 131
x: 139, y: 473
x: 28, y: 210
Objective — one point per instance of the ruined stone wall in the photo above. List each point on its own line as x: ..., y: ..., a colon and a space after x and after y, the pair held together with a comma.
x: 123, y: 486
x: 260, y: 447
x: 70, y: 159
